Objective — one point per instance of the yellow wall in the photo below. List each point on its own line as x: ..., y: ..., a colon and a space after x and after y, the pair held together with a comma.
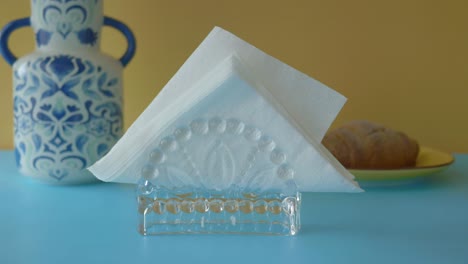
x: 403, y: 63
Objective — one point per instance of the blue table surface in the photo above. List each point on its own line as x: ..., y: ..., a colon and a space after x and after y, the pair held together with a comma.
x: 424, y: 223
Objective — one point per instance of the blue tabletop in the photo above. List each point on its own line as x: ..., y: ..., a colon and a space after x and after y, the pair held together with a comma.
x: 424, y: 223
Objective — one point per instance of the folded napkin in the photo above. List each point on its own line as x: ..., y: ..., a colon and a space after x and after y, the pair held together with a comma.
x: 232, y: 115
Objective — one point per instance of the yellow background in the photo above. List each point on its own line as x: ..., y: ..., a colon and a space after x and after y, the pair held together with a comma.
x: 403, y: 63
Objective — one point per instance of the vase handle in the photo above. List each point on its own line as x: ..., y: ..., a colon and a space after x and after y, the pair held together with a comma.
x: 5, y: 34
x: 108, y: 21
x: 24, y: 22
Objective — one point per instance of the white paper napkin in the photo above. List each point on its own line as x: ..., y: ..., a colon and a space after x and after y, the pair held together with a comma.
x: 228, y: 79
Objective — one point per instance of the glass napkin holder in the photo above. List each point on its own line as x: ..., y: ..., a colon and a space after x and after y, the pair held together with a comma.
x: 218, y: 176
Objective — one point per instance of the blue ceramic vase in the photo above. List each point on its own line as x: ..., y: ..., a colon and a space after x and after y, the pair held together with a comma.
x: 67, y: 94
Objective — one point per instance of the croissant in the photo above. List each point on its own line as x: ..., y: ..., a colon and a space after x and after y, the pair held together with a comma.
x: 366, y: 145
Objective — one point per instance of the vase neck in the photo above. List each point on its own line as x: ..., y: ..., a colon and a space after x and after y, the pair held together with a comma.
x: 67, y: 24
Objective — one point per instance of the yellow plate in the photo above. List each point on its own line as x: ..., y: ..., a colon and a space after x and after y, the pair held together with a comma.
x: 429, y: 161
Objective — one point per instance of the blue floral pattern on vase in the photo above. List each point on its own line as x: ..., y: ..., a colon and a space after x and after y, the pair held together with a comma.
x: 67, y: 114
x: 65, y: 18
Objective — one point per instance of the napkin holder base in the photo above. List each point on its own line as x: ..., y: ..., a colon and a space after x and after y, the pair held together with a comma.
x: 163, y: 212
